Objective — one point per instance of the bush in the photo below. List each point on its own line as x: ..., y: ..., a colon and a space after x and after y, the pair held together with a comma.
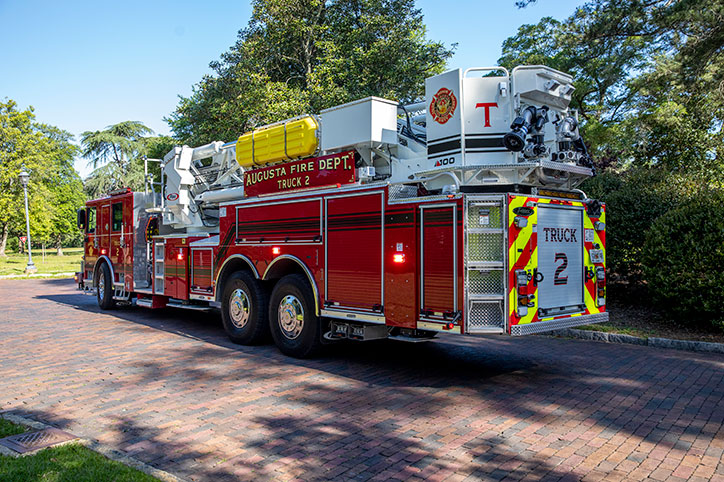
x: 683, y: 257
x: 634, y: 200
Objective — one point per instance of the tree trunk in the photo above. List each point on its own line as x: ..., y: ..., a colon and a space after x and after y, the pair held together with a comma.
x: 58, y: 246
x: 4, y: 240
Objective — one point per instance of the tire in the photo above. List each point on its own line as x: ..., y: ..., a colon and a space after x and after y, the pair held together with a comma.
x: 295, y: 327
x: 244, y: 309
x: 104, y: 288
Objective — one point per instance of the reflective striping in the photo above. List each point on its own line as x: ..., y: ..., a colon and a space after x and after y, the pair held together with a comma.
x: 523, y: 254
x: 526, y: 241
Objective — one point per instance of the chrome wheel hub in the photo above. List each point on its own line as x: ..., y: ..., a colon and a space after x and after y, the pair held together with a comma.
x: 102, y: 285
x: 291, y: 316
x: 239, y: 308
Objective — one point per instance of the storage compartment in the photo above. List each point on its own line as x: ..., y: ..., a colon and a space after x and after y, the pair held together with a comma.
x: 359, y: 122
x: 287, y: 140
x: 202, y: 270
x: 438, y: 261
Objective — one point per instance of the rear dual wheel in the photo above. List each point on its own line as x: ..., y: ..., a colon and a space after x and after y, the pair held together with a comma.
x: 244, y: 309
x: 249, y: 315
x: 295, y: 327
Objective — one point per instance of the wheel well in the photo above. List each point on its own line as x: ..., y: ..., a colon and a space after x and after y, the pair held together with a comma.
x: 282, y: 268
x: 284, y: 265
x: 232, y: 265
x: 99, y: 265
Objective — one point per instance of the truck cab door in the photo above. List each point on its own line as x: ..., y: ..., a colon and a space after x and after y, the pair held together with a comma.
x: 103, y: 230
x: 90, y: 246
x: 117, y: 240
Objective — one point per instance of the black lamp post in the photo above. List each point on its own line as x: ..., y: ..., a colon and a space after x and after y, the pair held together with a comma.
x: 24, y: 178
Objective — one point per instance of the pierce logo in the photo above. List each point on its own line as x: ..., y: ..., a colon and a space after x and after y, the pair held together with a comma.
x: 443, y: 105
x: 445, y: 162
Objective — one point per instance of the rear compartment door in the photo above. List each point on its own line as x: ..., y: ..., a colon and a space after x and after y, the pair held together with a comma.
x: 438, y: 262
x: 354, y: 262
x: 560, y: 260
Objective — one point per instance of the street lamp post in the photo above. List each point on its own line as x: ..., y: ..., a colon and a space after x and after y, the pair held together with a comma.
x: 24, y: 178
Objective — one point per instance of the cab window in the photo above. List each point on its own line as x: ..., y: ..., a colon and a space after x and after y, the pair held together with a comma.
x: 91, y: 221
x: 117, y: 217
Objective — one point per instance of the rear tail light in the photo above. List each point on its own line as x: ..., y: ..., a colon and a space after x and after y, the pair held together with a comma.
x: 521, y: 278
x: 524, y: 298
x: 600, y: 286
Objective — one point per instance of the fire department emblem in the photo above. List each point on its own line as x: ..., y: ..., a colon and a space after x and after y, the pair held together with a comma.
x: 443, y: 105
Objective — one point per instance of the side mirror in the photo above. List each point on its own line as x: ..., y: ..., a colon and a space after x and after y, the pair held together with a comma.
x: 81, y: 219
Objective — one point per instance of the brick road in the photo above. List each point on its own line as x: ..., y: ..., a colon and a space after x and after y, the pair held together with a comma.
x: 168, y: 388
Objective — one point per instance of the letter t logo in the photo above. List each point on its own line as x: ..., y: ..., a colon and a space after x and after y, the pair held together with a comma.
x: 486, y: 106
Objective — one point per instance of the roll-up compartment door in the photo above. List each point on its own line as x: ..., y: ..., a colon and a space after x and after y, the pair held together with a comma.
x: 438, y: 256
x: 354, y: 242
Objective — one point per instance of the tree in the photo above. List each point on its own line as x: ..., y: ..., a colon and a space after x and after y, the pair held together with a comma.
x: 114, y: 154
x: 301, y: 56
x: 54, y: 190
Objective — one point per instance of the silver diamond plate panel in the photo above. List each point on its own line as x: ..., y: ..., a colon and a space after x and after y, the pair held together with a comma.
x: 401, y: 191
x: 542, y: 326
x: 485, y: 282
x: 484, y: 314
x: 484, y: 247
x: 484, y: 216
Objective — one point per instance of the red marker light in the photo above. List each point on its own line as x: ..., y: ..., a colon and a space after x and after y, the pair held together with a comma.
x: 180, y: 256
x: 398, y: 258
x: 103, y: 251
x: 276, y: 250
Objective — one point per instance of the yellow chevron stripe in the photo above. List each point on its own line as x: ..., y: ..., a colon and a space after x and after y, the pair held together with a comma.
x: 514, y: 255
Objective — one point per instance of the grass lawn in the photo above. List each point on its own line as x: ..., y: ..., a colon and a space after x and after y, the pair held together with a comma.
x: 15, y: 263
x: 70, y: 462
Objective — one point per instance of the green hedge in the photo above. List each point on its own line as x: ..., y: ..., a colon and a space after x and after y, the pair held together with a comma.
x: 683, y: 259
x: 634, y: 201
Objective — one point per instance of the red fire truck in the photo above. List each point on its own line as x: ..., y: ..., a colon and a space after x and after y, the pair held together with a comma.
x: 457, y: 214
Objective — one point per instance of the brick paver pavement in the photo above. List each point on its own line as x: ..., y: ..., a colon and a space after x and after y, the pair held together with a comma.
x: 168, y: 388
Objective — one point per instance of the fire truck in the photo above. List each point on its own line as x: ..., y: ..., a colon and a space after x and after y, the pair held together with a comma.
x: 456, y: 214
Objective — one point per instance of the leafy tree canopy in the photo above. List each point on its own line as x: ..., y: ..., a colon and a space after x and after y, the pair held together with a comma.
x: 117, y: 154
x: 54, y: 191
x: 301, y: 56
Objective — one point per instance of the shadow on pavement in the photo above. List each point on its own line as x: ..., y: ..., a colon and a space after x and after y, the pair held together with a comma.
x: 388, y: 418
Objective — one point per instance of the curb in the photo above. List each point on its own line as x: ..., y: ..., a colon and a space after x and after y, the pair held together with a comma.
x: 686, y: 345
x: 36, y: 275
x: 95, y: 446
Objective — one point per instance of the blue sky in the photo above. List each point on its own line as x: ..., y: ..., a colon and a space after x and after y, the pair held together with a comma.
x: 84, y: 65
